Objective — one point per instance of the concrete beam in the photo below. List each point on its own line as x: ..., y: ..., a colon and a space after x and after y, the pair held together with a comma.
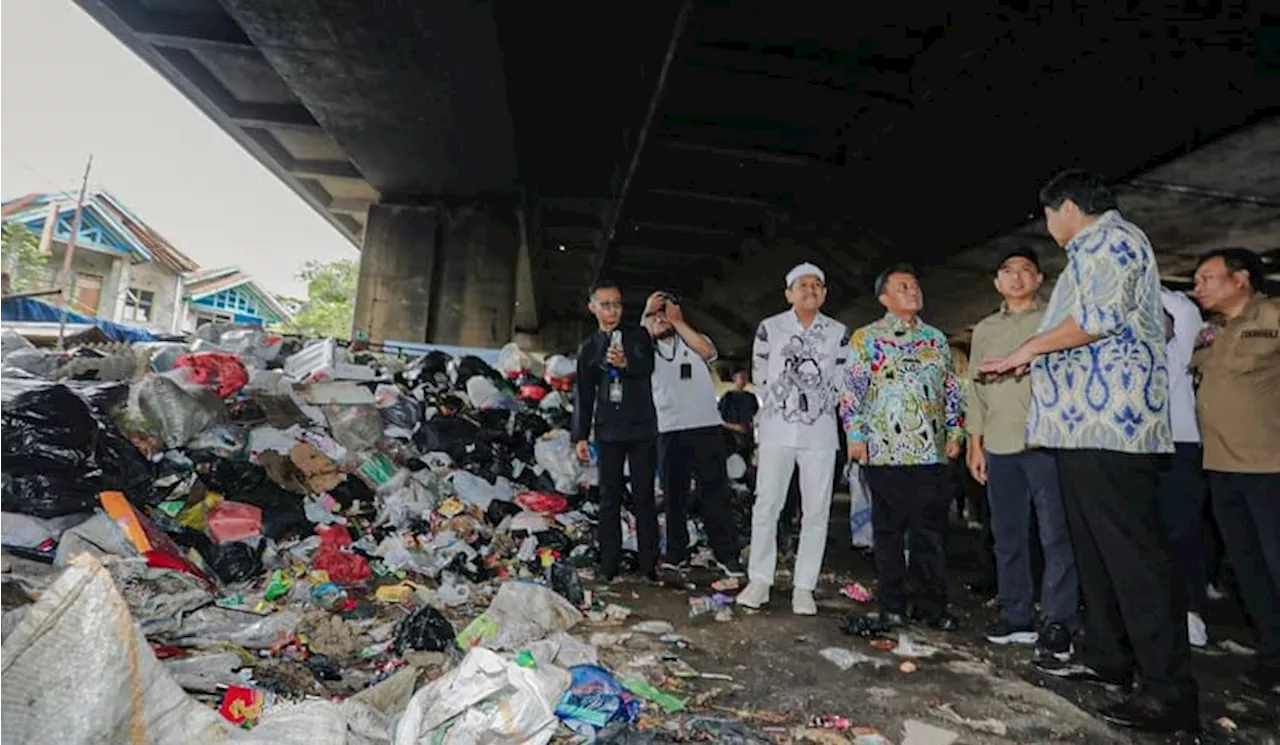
x: 240, y: 113
x: 725, y: 198
x: 740, y: 153
x: 180, y: 30
x: 350, y: 205
x: 323, y: 169
x: 620, y: 195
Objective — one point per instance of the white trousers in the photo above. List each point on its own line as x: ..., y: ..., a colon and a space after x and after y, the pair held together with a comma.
x: 773, y: 478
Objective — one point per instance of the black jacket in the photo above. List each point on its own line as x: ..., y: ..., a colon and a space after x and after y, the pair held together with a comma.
x: 634, y: 418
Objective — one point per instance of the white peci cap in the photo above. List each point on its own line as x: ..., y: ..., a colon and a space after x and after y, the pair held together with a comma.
x: 804, y: 270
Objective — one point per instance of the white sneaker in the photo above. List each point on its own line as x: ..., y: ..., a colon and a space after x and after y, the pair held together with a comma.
x: 754, y: 595
x: 1197, y: 633
x: 802, y: 603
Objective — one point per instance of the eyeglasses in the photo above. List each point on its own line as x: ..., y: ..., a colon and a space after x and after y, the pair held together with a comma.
x: 609, y: 306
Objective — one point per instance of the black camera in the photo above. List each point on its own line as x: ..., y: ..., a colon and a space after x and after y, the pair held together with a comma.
x: 670, y: 297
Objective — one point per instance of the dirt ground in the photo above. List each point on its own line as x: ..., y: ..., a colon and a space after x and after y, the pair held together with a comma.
x: 779, y: 678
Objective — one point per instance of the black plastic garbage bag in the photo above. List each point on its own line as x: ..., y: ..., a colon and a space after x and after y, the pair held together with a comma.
x: 404, y: 413
x: 235, y: 562
x: 566, y: 583
x: 499, y: 510
x: 59, y: 453
x: 45, y: 494
x: 350, y: 490
x: 455, y: 436
x: 430, y: 370
x: 230, y: 478
x: 424, y: 630
x: 470, y: 366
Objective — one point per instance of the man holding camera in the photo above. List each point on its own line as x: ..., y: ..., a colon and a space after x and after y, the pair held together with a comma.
x: 690, y: 442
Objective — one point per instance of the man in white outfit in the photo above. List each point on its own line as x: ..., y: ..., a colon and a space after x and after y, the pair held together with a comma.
x: 796, y: 361
x: 1182, y: 485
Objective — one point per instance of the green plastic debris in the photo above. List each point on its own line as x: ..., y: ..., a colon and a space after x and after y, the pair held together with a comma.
x: 646, y: 690
x: 278, y: 586
x: 524, y: 658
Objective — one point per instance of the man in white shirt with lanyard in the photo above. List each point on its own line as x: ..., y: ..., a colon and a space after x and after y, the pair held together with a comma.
x: 690, y: 437
x: 796, y: 361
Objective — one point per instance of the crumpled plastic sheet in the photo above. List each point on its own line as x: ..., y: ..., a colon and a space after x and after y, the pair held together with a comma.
x: 213, y: 625
x: 485, y: 699
x: 176, y: 415
x: 205, y: 672
x: 521, y: 613
x: 77, y: 670
x: 159, y: 599
x: 555, y: 453
x: 563, y: 650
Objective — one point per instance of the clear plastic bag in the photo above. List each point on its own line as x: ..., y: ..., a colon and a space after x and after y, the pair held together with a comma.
x: 554, y: 452
x: 173, y: 413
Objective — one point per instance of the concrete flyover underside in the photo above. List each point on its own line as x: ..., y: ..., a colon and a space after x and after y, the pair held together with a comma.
x: 492, y: 158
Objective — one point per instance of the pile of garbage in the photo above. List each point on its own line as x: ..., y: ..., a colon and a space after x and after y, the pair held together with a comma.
x: 229, y: 539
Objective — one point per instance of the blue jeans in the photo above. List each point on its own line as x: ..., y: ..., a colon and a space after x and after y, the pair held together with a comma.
x: 1016, y: 483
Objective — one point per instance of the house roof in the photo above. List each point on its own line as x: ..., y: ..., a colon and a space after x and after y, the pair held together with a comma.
x: 143, y: 239
x: 203, y: 283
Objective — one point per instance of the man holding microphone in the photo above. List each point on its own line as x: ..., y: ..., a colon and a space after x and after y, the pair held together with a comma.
x: 613, y: 397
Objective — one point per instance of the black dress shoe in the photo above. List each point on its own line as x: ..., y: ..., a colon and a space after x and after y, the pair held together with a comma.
x: 1079, y: 673
x: 892, y: 620
x: 980, y: 589
x: 943, y: 621
x: 1149, y: 714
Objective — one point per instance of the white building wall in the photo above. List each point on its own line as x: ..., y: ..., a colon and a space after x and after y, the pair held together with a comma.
x: 163, y: 282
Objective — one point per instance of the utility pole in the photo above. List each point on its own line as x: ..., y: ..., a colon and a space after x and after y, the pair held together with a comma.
x: 66, y: 278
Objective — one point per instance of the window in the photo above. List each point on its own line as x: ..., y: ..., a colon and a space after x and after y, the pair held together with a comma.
x: 138, y: 304
x: 87, y: 294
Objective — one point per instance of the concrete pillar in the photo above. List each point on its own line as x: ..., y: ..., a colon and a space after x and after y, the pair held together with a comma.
x: 397, y: 261
x: 443, y: 274
x: 476, y: 292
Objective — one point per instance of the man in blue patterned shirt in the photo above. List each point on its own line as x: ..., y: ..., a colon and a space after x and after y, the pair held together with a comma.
x: 1100, y: 398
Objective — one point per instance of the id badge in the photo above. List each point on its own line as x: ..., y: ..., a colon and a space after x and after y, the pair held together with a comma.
x: 615, y: 391
x: 686, y: 371
x: 804, y: 402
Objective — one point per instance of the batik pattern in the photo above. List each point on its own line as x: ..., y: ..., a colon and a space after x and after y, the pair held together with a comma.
x: 1111, y: 394
x: 901, y: 394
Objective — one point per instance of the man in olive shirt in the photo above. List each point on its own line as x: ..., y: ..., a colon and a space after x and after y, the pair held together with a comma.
x: 1017, y: 477
x: 1238, y: 405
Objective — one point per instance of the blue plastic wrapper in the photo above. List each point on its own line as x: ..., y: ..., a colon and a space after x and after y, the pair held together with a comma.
x: 597, y: 698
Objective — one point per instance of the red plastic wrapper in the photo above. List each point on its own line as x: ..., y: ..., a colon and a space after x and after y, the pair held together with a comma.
x: 233, y: 521
x: 344, y: 567
x: 210, y: 369
x: 537, y: 501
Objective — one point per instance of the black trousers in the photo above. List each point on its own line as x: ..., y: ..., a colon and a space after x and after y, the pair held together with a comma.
x: 1247, y: 507
x: 916, y: 498
x: 613, y: 456
x: 698, y: 454
x: 1135, y: 612
x: 1182, y: 495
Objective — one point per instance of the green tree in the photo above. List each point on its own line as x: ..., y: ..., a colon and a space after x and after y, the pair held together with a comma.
x: 22, y: 259
x: 330, y: 304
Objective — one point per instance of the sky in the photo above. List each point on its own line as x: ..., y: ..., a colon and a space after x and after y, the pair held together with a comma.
x: 69, y: 89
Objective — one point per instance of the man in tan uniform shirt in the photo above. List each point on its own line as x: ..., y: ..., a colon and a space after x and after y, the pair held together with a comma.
x: 1238, y: 405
